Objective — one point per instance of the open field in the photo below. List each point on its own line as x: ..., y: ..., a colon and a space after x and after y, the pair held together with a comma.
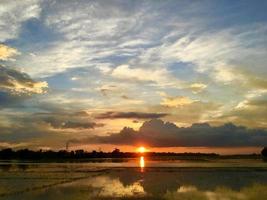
x: 234, y: 179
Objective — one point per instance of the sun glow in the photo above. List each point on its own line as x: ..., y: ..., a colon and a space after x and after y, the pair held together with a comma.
x: 141, y: 150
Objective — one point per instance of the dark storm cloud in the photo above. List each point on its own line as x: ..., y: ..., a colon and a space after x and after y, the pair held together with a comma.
x: 130, y: 115
x: 157, y: 133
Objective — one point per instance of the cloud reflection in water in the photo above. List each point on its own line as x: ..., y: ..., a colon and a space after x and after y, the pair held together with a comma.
x: 256, y: 191
x: 113, y: 187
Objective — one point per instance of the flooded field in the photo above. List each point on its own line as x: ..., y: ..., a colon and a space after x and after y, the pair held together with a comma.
x: 134, y: 179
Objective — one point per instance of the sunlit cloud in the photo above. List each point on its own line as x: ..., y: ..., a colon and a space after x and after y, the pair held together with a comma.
x: 19, y: 82
x: 6, y: 52
x: 197, y: 87
x: 176, y: 101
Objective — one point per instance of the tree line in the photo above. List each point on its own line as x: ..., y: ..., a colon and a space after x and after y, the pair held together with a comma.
x: 27, y: 154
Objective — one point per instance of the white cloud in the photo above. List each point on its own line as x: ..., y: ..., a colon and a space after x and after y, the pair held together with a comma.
x: 219, y: 54
x: 159, y: 76
x: 13, y: 13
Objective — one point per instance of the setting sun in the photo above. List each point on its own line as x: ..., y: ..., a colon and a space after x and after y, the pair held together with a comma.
x: 142, y: 150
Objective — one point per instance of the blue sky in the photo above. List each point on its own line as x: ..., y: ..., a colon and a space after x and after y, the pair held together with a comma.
x: 195, y: 61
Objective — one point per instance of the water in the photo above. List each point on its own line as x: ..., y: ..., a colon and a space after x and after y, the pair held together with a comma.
x: 135, y: 179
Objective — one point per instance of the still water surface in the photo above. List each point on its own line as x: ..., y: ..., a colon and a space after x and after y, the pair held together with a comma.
x: 135, y: 179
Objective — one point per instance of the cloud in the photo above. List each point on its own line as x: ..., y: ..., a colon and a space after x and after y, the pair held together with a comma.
x: 20, y: 127
x: 68, y: 120
x: 220, y: 54
x: 250, y: 111
x: 190, y: 192
x: 106, y: 89
x: 176, y: 101
x: 108, y: 184
x: 197, y: 87
x: 130, y: 115
x: 11, y: 100
x: 53, y: 129
x: 173, y: 49
x: 103, y: 187
x: 159, y: 76
x: 188, y: 113
x: 157, y: 133
x: 6, y: 52
x: 13, y: 14
x: 18, y: 82
x: 73, y: 21
x: 72, y: 124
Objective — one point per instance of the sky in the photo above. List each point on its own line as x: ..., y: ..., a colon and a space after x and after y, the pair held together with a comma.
x: 169, y: 75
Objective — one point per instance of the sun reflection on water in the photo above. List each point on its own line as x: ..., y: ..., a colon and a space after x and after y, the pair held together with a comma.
x: 142, y: 163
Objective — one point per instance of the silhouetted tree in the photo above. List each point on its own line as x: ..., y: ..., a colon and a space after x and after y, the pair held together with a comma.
x: 7, y: 153
x: 79, y: 153
x: 61, y: 155
x: 264, y: 152
x: 116, y: 153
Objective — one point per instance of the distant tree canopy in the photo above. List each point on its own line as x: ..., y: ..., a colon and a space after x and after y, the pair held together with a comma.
x: 264, y: 152
x: 26, y: 154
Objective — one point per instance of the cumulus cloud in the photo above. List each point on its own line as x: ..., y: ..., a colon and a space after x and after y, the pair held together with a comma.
x: 158, y: 133
x: 130, y: 115
x: 18, y: 82
x: 6, y: 52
